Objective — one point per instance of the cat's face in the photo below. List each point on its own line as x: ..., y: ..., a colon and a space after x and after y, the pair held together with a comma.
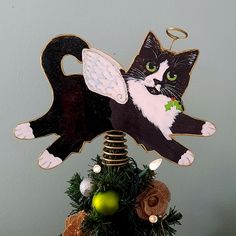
x: 162, y: 71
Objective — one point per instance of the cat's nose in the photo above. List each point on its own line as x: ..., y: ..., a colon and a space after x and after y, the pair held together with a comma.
x: 156, y: 81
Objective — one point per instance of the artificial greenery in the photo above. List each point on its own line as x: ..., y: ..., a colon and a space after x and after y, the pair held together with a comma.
x: 128, y: 181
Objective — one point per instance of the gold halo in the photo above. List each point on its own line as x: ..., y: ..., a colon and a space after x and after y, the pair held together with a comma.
x: 175, y: 37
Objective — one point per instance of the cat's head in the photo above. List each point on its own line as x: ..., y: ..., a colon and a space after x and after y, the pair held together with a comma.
x: 162, y: 71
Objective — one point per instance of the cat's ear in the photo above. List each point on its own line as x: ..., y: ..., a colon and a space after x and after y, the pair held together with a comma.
x: 150, y: 42
x: 102, y: 75
x: 188, y: 59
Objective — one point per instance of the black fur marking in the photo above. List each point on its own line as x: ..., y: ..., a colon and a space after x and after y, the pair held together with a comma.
x: 78, y: 115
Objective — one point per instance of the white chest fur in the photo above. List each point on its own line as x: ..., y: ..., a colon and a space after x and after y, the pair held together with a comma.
x: 153, y: 107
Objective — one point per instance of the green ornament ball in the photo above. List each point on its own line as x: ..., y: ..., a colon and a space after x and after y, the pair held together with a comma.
x: 106, y: 203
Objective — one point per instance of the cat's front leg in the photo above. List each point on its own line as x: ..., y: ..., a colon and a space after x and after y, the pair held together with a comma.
x: 176, y: 152
x: 185, y: 124
x: 153, y: 139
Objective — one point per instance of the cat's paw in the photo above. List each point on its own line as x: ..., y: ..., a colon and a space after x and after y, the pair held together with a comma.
x: 186, y: 159
x: 208, y: 129
x: 48, y: 161
x: 24, y: 131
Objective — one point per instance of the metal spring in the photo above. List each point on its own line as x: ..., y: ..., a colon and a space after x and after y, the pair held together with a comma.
x: 114, y: 149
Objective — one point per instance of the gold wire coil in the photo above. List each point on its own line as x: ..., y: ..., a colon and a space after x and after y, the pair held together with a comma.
x: 115, y: 160
x: 115, y: 154
x: 115, y: 141
x: 114, y: 133
x: 116, y: 164
x: 114, y: 149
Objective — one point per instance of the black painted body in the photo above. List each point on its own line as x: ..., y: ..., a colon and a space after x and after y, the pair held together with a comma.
x: 78, y: 114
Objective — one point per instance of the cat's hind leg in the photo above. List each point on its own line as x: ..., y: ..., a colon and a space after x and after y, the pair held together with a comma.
x: 47, y: 124
x: 24, y: 131
x: 58, y: 151
x: 185, y: 124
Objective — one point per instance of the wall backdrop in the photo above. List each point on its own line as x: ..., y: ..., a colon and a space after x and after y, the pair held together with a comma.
x: 32, y: 200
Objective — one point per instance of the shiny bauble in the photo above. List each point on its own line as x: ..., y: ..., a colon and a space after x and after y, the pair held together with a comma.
x: 106, y: 203
x: 97, y: 169
x: 153, y: 219
x: 86, y: 187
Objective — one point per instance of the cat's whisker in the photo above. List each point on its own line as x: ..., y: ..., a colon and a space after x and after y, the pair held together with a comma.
x: 141, y: 76
x: 171, y: 86
x: 173, y: 93
x: 174, y: 87
x: 169, y: 93
x: 135, y: 70
x: 176, y: 94
x: 134, y: 76
x: 164, y: 91
x: 174, y: 90
x: 139, y: 71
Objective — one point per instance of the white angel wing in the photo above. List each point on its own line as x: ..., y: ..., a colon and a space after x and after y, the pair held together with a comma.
x: 102, y: 75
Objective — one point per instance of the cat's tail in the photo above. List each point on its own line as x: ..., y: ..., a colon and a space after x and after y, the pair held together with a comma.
x: 55, y: 50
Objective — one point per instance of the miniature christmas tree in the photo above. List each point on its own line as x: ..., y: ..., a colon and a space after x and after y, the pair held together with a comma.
x: 117, y: 198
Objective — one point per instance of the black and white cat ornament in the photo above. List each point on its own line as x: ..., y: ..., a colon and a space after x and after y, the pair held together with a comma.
x: 145, y: 101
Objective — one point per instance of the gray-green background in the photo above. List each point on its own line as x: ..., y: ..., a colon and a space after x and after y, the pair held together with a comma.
x: 32, y: 201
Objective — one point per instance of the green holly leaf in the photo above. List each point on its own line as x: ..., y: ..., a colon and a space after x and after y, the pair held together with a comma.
x: 179, y: 106
x: 174, y: 103
x: 168, y: 106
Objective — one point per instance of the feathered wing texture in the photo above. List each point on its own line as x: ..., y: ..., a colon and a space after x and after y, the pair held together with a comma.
x: 102, y: 75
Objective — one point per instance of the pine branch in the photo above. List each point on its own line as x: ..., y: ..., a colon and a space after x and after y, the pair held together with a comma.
x: 128, y: 181
x: 79, y: 202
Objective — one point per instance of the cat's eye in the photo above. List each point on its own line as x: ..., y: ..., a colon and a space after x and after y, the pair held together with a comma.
x: 151, y: 67
x: 171, y: 77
